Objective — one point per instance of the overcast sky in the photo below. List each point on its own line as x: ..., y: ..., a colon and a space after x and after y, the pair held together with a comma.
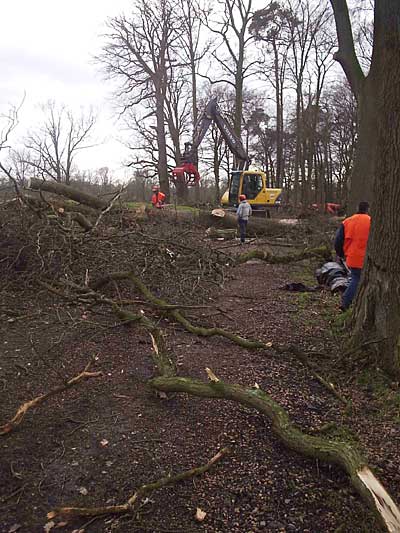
x: 46, y: 51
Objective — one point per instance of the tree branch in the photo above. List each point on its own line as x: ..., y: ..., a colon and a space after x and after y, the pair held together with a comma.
x: 131, y: 505
x: 24, y: 408
x: 346, y: 54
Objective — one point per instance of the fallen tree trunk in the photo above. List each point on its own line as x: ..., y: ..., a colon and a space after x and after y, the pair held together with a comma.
x: 340, y: 453
x: 69, y: 192
x: 255, y: 226
x: 221, y: 233
x: 322, y: 252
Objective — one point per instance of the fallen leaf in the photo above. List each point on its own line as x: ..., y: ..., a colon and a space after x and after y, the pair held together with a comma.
x: 49, y: 526
x: 256, y: 386
x: 104, y: 442
x: 83, y: 491
x: 200, y: 515
x: 51, y: 515
x: 14, y: 528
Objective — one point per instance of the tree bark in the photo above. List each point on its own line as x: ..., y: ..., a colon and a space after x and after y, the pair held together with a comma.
x: 363, y: 174
x: 69, y: 192
x: 377, y: 312
x: 161, y: 144
x: 364, y: 89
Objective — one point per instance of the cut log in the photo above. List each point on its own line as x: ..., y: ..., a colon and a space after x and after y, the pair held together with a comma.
x: 221, y: 233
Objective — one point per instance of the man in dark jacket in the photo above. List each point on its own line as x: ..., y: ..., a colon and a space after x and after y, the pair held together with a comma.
x: 351, y: 244
x: 243, y: 213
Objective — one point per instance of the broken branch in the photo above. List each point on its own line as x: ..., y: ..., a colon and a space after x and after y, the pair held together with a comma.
x: 131, y: 505
x: 24, y: 408
x: 331, y: 451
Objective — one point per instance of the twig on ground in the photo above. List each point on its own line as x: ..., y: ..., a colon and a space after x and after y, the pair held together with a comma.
x: 24, y: 408
x: 131, y: 505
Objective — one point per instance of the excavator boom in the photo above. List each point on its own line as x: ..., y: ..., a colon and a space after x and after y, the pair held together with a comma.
x: 187, y: 171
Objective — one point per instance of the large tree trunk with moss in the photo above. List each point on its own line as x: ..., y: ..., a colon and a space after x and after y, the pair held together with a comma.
x: 377, y: 313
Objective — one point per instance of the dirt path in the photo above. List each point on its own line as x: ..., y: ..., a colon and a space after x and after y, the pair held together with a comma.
x: 94, y: 445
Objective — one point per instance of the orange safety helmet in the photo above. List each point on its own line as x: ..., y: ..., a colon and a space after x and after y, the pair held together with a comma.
x: 242, y: 197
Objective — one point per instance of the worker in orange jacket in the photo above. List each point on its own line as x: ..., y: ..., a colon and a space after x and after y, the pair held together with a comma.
x: 351, y: 243
x: 158, y: 197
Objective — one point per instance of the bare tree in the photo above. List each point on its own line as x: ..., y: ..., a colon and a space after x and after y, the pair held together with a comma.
x: 138, y: 54
x: 236, y: 40
x: 270, y: 28
x: 18, y: 160
x: 191, y: 16
x: 143, y: 143
x: 8, y: 123
x: 51, y: 149
x: 193, y: 49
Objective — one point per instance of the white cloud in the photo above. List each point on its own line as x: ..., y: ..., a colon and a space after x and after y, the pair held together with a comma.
x: 47, y: 49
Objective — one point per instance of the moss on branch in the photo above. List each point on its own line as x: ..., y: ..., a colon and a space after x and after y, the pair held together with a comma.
x: 331, y: 451
x: 321, y: 252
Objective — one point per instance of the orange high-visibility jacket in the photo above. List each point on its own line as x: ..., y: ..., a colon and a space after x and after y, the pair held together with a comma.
x: 356, y: 232
x: 158, y: 199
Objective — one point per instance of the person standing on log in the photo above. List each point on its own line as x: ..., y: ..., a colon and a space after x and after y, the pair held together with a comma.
x: 158, y: 197
x: 243, y: 213
x: 351, y: 243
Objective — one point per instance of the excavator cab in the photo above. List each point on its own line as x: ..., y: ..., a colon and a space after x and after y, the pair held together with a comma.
x: 252, y: 183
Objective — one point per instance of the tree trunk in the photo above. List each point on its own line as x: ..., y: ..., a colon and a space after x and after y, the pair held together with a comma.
x: 364, y: 89
x: 182, y: 192
x: 69, y: 192
x: 279, y: 118
x: 377, y: 313
x: 364, y: 165
x: 161, y: 144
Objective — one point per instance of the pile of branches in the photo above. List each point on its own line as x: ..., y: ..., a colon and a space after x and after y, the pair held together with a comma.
x: 42, y: 238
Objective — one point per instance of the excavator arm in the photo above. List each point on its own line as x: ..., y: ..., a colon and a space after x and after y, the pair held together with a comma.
x: 188, y: 172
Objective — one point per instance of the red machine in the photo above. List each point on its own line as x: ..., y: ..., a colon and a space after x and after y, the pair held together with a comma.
x: 186, y: 173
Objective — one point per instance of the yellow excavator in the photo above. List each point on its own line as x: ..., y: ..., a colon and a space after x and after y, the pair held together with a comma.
x: 252, y: 183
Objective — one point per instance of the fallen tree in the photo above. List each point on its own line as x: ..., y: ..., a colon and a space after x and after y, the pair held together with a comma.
x: 68, y: 192
x: 340, y: 453
x: 321, y: 252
